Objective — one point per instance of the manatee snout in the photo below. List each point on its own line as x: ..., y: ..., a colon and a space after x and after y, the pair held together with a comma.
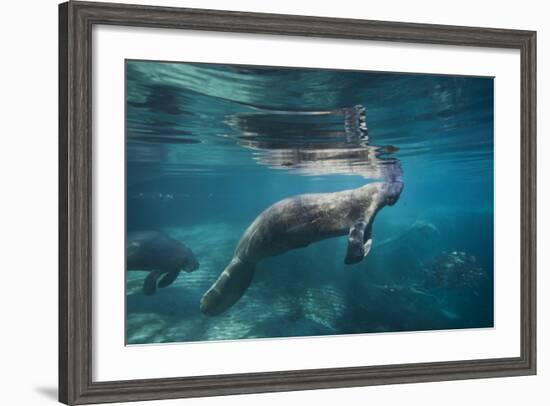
x: 191, y: 264
x: 392, y: 191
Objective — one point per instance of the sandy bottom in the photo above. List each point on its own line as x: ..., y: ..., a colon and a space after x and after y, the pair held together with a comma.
x: 270, y: 307
x: 304, y: 292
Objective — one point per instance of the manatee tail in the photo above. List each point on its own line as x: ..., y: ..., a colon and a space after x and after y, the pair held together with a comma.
x: 228, y: 288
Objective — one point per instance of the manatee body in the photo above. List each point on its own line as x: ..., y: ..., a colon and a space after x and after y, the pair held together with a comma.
x: 161, y: 255
x: 297, y: 222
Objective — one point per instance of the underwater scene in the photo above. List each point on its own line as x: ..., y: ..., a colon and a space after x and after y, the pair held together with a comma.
x: 267, y: 202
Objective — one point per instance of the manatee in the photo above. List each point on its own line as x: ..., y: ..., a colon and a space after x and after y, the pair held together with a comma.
x: 161, y: 255
x: 296, y: 222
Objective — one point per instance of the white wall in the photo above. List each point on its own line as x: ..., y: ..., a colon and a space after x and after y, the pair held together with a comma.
x: 28, y: 170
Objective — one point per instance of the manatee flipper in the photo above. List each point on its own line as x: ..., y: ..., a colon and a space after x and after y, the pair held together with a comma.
x: 150, y: 283
x: 357, y: 247
x: 228, y: 288
x: 168, y: 278
x: 367, y: 246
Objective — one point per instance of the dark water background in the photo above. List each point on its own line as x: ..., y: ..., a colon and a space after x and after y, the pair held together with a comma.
x: 209, y: 147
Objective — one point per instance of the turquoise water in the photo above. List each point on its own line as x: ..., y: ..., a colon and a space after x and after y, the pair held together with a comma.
x: 209, y: 147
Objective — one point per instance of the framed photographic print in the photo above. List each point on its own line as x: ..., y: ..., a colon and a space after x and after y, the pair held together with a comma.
x: 257, y: 202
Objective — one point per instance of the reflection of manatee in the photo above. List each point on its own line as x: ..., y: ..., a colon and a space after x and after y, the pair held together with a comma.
x: 297, y: 222
x: 159, y: 254
x: 350, y: 160
x: 314, y: 143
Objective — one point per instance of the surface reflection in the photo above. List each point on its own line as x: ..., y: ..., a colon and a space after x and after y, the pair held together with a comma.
x: 316, y: 143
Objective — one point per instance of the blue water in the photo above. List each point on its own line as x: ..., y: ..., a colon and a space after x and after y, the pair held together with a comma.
x: 209, y: 147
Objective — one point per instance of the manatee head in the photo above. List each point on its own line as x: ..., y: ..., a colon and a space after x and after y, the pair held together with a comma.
x: 190, y: 262
x: 391, y: 192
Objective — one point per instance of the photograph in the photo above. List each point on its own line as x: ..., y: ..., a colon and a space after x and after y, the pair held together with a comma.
x: 266, y: 203
x: 269, y: 202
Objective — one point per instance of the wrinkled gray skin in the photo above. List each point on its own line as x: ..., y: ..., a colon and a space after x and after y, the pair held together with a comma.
x: 161, y: 255
x: 297, y: 222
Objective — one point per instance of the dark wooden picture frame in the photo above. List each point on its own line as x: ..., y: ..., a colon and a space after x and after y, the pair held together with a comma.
x: 76, y: 20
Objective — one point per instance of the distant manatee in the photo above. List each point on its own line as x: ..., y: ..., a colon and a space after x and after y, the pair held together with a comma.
x: 161, y: 255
